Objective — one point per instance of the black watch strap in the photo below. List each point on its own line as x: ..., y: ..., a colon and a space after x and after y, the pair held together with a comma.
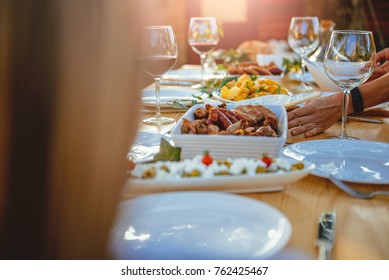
x: 357, y: 100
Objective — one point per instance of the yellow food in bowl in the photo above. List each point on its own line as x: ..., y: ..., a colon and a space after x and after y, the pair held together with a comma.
x: 246, y: 87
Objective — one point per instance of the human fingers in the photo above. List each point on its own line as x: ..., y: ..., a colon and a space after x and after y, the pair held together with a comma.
x: 379, y: 71
x: 373, y: 77
x: 314, y: 131
x: 309, y: 129
x: 382, y: 55
x: 303, y: 120
x: 299, y: 112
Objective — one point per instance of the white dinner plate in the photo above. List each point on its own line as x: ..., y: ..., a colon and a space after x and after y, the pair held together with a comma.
x: 198, y: 225
x: 190, y: 75
x: 298, y: 77
x: 262, y: 182
x: 168, y: 94
x: 145, y: 146
x: 357, y: 161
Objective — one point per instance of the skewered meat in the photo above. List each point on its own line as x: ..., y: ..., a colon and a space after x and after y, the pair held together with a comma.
x: 223, y: 119
x: 265, y: 130
x: 213, y: 129
x: 257, y: 114
x: 252, y: 68
x: 200, y: 113
x: 233, y: 127
x: 251, y: 120
x: 230, y: 115
x: 194, y: 127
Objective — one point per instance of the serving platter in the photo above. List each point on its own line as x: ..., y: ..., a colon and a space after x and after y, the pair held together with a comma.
x: 261, y: 182
x: 270, y: 99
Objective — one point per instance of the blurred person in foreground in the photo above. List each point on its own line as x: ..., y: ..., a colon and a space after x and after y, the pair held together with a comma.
x: 69, y: 107
x: 321, y: 113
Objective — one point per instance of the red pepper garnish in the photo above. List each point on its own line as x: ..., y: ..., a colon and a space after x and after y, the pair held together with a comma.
x: 268, y: 160
x: 207, y: 159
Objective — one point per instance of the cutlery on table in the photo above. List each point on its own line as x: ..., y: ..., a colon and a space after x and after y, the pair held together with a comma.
x: 364, y: 120
x: 326, y: 234
x: 355, y: 193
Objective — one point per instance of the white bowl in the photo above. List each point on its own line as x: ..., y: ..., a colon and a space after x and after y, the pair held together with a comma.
x: 265, y: 59
x: 319, y: 75
x: 272, y: 99
x: 277, y: 58
x: 231, y: 146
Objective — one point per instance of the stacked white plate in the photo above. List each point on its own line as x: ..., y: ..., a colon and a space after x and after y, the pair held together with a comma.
x: 231, y: 146
x: 198, y: 226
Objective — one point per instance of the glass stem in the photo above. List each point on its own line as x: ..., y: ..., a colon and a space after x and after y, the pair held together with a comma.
x: 157, y: 81
x: 203, y: 56
x: 346, y: 97
x: 302, y: 72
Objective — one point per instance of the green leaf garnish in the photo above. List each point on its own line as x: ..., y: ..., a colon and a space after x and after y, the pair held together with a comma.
x: 291, y: 65
x: 167, y: 152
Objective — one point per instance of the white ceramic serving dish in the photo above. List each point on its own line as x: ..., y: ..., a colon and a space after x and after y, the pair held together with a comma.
x: 265, y: 59
x: 245, y: 183
x: 319, y: 75
x: 231, y: 146
x: 271, y: 99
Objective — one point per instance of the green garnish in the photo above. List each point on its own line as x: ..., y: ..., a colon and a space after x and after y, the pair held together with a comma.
x: 167, y: 152
x: 293, y: 65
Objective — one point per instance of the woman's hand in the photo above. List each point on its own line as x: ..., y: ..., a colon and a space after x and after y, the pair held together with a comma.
x: 382, y: 66
x: 316, y: 115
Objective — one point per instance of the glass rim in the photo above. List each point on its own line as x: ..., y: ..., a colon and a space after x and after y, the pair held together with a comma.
x: 202, y: 18
x: 305, y: 17
x: 158, y: 27
x: 353, y: 31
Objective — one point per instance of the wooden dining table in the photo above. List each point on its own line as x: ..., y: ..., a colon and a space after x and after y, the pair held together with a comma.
x: 362, y: 226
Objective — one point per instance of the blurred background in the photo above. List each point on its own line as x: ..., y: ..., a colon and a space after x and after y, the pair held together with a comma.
x: 265, y: 19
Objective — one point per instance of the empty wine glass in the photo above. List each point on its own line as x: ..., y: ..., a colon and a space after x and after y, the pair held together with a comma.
x: 203, y: 36
x: 158, y: 55
x: 303, y: 38
x: 349, y: 62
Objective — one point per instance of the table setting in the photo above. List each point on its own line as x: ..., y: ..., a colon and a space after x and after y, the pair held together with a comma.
x: 217, y: 205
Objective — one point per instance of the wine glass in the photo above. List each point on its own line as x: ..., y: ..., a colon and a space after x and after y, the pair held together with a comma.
x: 203, y: 36
x: 303, y: 38
x: 158, y: 55
x: 349, y: 62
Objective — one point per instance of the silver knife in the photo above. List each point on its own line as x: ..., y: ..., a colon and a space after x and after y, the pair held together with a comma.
x: 326, y: 234
x: 365, y: 120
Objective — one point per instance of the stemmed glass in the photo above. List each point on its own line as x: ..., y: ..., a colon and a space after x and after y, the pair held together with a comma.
x: 303, y: 38
x: 349, y: 62
x: 203, y: 36
x: 158, y: 55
